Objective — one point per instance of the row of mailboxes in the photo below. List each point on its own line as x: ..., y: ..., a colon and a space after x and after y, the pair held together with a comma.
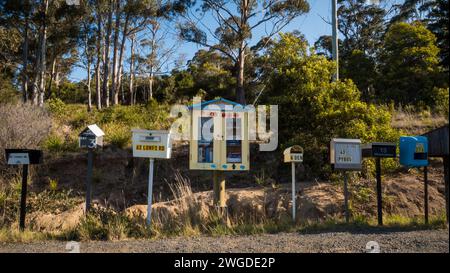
x: 347, y: 154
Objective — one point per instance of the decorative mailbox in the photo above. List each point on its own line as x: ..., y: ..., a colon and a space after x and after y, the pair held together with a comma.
x: 23, y: 156
x: 91, y: 137
x: 414, y: 151
x: 293, y: 154
x: 151, y: 143
x: 379, y: 149
x: 219, y: 136
x: 345, y: 154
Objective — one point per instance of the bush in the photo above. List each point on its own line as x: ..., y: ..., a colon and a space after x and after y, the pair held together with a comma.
x: 117, y: 134
x: 56, y: 106
x: 313, y: 109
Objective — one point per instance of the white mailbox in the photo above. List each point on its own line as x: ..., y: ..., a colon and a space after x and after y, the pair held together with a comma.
x: 345, y: 154
x: 91, y: 137
x: 151, y: 143
x: 293, y: 154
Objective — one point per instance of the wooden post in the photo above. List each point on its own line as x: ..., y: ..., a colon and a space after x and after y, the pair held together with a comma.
x: 222, y: 196
x: 446, y: 186
x: 219, y: 193
x: 23, y: 198
x: 89, y: 180
x: 347, y: 213
x: 216, y: 187
x: 425, y: 178
x: 379, y: 193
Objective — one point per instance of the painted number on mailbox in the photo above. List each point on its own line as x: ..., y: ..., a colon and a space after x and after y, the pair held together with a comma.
x: 149, y: 148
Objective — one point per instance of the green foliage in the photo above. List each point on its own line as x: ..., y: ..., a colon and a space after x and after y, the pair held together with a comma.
x: 8, y: 94
x: 117, y: 134
x: 312, y: 109
x: 56, y: 106
x: 409, y: 65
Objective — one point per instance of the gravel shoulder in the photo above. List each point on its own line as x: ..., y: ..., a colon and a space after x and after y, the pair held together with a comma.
x: 423, y: 241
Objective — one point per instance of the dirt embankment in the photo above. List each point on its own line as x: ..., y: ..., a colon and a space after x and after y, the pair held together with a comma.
x: 402, y: 195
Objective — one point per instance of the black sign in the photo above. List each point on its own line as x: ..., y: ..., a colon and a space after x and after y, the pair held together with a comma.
x: 380, y: 150
x: 35, y: 156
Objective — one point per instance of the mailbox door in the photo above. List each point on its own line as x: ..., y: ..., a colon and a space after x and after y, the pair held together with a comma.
x: 235, y: 147
x: 204, y: 147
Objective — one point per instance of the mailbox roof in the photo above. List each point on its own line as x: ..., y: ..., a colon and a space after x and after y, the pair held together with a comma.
x: 150, y: 131
x: 345, y: 140
x: 95, y: 130
x: 288, y: 150
x: 220, y: 102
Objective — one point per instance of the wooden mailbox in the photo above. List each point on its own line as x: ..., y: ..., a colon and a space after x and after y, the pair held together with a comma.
x: 219, y: 136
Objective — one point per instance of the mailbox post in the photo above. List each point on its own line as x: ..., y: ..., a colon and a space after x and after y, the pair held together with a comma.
x: 414, y: 153
x: 379, y: 151
x: 293, y: 155
x: 23, y: 157
x: 90, y: 138
x: 345, y: 155
x: 151, y: 144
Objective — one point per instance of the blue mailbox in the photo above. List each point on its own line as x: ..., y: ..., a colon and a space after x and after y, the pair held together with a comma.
x: 414, y: 151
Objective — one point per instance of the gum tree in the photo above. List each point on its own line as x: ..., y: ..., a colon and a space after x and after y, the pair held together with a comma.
x: 237, y: 21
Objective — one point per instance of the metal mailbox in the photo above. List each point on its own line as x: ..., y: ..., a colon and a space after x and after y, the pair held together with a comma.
x: 23, y: 156
x: 345, y: 154
x: 379, y: 149
x: 293, y: 154
x: 414, y: 151
x: 91, y: 137
x: 151, y: 143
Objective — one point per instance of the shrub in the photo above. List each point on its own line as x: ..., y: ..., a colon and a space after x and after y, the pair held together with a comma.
x: 313, y: 109
x: 56, y: 106
x: 117, y: 134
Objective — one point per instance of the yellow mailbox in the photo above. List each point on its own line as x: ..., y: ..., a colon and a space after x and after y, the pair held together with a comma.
x: 293, y: 154
x: 219, y: 136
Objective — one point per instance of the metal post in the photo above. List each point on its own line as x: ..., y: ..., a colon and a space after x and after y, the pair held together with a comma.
x: 294, y: 207
x: 425, y: 178
x: 347, y: 213
x: 150, y: 192
x: 89, y: 180
x: 446, y: 185
x: 335, y: 38
x: 23, y: 198
x: 379, y: 193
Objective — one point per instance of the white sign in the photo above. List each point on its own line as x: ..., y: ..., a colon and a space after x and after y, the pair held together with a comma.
x: 18, y: 159
x: 346, y: 154
x: 151, y: 144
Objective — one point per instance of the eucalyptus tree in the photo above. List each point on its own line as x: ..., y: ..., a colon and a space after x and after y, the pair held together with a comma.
x: 235, y: 21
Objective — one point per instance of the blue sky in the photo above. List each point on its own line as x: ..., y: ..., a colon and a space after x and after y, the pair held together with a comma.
x: 312, y: 25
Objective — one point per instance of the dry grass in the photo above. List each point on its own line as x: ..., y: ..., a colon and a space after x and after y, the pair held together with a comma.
x: 411, y: 122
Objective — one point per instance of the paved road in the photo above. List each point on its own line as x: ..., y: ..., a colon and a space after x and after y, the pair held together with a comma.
x: 411, y: 241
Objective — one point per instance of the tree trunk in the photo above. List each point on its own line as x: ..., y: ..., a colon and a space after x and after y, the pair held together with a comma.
x: 121, y: 51
x: 132, y: 71
x: 52, y: 75
x: 150, y: 89
x: 114, y: 87
x: 25, y: 62
x: 106, y: 55
x: 97, y: 64
x: 42, y: 53
x: 240, y: 92
x: 89, y: 85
